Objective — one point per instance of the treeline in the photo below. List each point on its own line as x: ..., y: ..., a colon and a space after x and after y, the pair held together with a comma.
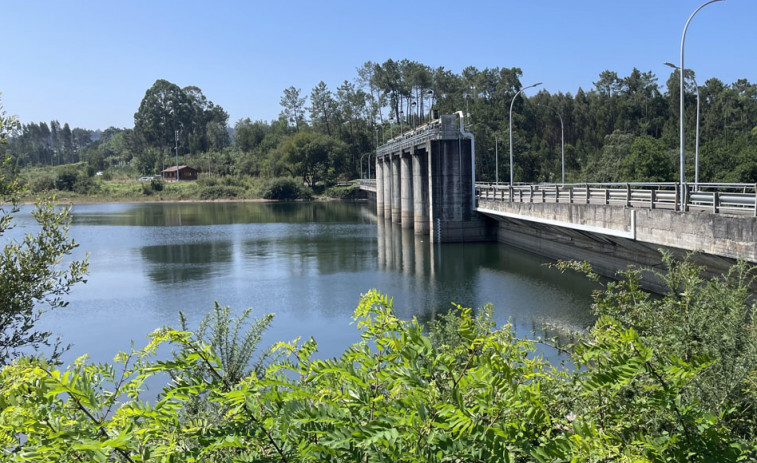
x: 623, y: 129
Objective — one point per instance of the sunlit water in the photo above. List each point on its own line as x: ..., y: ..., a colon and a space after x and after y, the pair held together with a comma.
x: 306, y: 262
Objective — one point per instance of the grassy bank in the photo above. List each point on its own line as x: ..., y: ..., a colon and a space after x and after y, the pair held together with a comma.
x: 73, y: 184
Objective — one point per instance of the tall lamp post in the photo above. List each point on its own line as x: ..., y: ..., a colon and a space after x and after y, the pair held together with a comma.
x: 511, y: 127
x: 696, y: 143
x: 682, y: 174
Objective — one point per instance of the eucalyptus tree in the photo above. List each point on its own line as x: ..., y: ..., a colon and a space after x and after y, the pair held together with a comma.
x: 165, y: 110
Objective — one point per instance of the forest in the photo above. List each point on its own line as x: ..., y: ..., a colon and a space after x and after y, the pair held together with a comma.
x: 623, y: 129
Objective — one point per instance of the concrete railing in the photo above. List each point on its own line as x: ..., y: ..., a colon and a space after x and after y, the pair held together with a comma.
x: 732, y: 198
x: 366, y: 183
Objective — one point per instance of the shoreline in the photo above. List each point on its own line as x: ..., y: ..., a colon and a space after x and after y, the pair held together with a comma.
x: 84, y: 201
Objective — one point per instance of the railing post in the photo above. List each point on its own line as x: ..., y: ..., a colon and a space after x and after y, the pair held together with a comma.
x: 607, y: 196
x: 652, y: 197
x: 628, y: 195
x: 755, y: 199
x: 685, y: 197
x: 715, y: 199
x: 543, y: 195
x: 557, y: 194
x: 520, y: 195
x: 588, y: 193
x: 530, y: 193
x: 677, y: 197
x: 510, y: 190
x: 570, y: 196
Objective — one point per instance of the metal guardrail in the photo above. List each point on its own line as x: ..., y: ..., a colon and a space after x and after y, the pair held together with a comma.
x: 729, y: 198
x: 444, y: 128
x: 366, y: 183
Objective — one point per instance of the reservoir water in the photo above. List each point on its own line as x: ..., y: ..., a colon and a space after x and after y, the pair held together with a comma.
x: 306, y: 262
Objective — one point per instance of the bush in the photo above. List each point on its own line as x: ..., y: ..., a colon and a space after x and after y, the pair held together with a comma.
x: 220, y: 192
x: 76, y: 181
x: 41, y: 184
x: 286, y: 189
x: 66, y: 180
x: 343, y: 192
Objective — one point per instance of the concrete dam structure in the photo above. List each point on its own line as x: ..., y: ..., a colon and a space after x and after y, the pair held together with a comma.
x: 425, y: 181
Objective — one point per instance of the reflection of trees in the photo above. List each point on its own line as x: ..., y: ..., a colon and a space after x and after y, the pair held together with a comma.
x: 225, y: 213
x: 176, y: 263
x: 350, y: 251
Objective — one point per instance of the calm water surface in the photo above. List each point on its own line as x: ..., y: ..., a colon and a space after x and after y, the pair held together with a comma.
x: 306, y: 262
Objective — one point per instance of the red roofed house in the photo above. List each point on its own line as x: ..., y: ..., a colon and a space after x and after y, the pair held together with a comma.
x: 185, y: 173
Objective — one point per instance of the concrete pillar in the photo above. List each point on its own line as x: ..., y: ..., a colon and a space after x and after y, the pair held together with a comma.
x: 379, y: 187
x: 396, y: 189
x: 406, y: 190
x: 387, y: 186
x: 420, y: 190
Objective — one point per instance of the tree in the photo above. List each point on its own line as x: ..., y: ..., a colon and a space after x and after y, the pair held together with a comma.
x: 164, y: 110
x: 31, y: 277
x: 293, y: 106
x: 313, y: 157
x: 322, y: 106
x: 648, y: 161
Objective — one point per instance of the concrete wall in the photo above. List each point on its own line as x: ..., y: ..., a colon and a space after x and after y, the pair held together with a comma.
x: 718, y: 234
x: 612, y: 237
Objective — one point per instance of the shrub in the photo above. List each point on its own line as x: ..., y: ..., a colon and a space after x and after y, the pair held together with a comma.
x: 66, y: 180
x: 343, y: 192
x: 220, y: 192
x: 286, y: 189
x: 42, y: 183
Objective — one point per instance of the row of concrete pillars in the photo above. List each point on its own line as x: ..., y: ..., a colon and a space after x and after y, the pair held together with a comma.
x: 429, y: 187
x: 402, y: 188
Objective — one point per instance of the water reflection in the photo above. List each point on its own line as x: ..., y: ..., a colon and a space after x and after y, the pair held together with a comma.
x: 177, y: 263
x: 306, y: 262
x: 218, y: 213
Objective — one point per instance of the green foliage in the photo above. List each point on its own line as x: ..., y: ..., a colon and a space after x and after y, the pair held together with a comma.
x: 8, y: 124
x: 220, y: 192
x: 73, y: 179
x: 343, y: 192
x: 648, y: 161
x: 32, y: 278
x: 313, y: 157
x: 468, y: 392
x: 285, y: 189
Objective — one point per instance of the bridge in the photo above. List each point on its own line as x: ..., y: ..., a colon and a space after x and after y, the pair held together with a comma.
x: 425, y: 181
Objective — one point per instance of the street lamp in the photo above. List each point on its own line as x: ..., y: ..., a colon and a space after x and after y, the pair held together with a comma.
x: 696, y: 143
x: 682, y: 176
x: 511, y: 128
x: 431, y: 109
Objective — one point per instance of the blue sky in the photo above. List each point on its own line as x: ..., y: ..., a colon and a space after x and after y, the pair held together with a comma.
x: 89, y: 63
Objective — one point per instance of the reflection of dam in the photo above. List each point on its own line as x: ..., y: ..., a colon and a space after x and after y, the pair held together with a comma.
x: 400, y: 250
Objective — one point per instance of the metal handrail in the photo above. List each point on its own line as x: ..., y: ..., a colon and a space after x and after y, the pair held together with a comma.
x: 733, y: 198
